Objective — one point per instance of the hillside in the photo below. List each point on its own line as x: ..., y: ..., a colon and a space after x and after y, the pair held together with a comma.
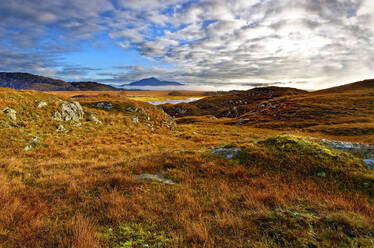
x: 34, y: 82
x: 111, y: 172
x: 232, y: 104
x: 357, y: 86
x: 346, y: 111
x: 152, y: 82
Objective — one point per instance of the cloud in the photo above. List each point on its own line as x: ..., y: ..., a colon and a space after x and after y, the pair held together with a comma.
x: 213, y: 42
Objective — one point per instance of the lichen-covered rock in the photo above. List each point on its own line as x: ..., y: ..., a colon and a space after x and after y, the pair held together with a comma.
x: 11, y: 113
x: 27, y: 148
x: 226, y: 152
x: 69, y: 111
x: 154, y: 177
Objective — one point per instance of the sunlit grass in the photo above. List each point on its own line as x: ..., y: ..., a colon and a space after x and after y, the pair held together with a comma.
x: 78, y: 189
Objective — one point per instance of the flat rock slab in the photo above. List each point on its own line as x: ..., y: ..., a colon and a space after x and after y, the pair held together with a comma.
x: 154, y: 177
x: 226, y: 152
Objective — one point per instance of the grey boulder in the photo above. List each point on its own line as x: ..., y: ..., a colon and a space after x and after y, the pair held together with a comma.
x: 69, y: 111
x: 11, y: 113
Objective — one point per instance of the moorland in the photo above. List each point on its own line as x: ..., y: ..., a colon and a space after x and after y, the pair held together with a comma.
x: 236, y: 169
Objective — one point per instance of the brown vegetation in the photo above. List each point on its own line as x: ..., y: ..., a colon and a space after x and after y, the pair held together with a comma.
x: 78, y: 189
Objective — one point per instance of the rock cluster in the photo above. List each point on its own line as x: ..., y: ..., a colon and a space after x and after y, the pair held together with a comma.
x: 104, y: 105
x: 69, y: 111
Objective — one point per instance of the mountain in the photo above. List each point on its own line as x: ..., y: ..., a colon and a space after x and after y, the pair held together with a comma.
x: 29, y: 81
x: 152, y: 82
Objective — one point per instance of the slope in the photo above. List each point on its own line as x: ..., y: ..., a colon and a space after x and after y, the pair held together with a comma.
x: 34, y: 82
x: 232, y: 104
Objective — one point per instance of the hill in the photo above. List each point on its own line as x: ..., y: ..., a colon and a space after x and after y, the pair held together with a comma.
x: 232, y: 104
x: 357, y: 86
x: 346, y: 110
x: 34, y: 82
x: 152, y: 82
x: 110, y: 172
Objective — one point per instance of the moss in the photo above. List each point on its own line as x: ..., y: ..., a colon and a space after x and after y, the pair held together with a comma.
x: 136, y: 235
x: 300, y: 228
x: 304, y: 158
x: 285, y: 146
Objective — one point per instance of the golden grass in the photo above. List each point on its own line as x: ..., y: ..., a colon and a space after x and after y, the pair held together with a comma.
x: 78, y: 189
x: 143, y: 96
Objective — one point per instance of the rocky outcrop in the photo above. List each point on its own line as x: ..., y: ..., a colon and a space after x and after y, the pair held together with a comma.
x: 69, y: 111
x: 11, y: 113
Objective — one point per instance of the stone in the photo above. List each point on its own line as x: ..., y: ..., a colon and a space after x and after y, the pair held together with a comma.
x: 61, y: 129
x: 370, y: 163
x: 75, y: 123
x: 213, y: 118
x: 242, y: 121
x: 154, y: 177
x: 35, y: 140
x: 69, y: 111
x: 12, y: 114
x: 133, y: 109
x: 150, y: 126
x: 27, y: 148
x: 226, y: 152
x: 93, y: 118
x: 42, y: 104
x: 104, y: 105
x: 321, y: 174
x: 135, y: 119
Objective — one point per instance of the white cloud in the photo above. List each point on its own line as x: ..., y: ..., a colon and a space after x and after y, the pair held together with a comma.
x: 210, y: 41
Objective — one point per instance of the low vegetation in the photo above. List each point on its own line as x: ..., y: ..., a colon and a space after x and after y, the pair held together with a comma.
x: 81, y: 188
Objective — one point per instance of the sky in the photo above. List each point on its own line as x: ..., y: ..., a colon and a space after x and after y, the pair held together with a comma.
x: 205, y: 44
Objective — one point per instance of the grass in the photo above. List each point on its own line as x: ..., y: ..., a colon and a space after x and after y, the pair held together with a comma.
x: 78, y: 189
x: 144, y: 96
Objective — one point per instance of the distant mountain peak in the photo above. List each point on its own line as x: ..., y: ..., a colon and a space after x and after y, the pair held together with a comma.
x: 152, y: 81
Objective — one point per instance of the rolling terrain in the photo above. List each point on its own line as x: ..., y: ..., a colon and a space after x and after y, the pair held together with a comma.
x: 346, y: 111
x: 87, y: 169
x: 34, y: 82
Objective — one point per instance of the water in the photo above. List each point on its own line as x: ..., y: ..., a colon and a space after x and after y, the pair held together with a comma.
x: 174, y: 101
